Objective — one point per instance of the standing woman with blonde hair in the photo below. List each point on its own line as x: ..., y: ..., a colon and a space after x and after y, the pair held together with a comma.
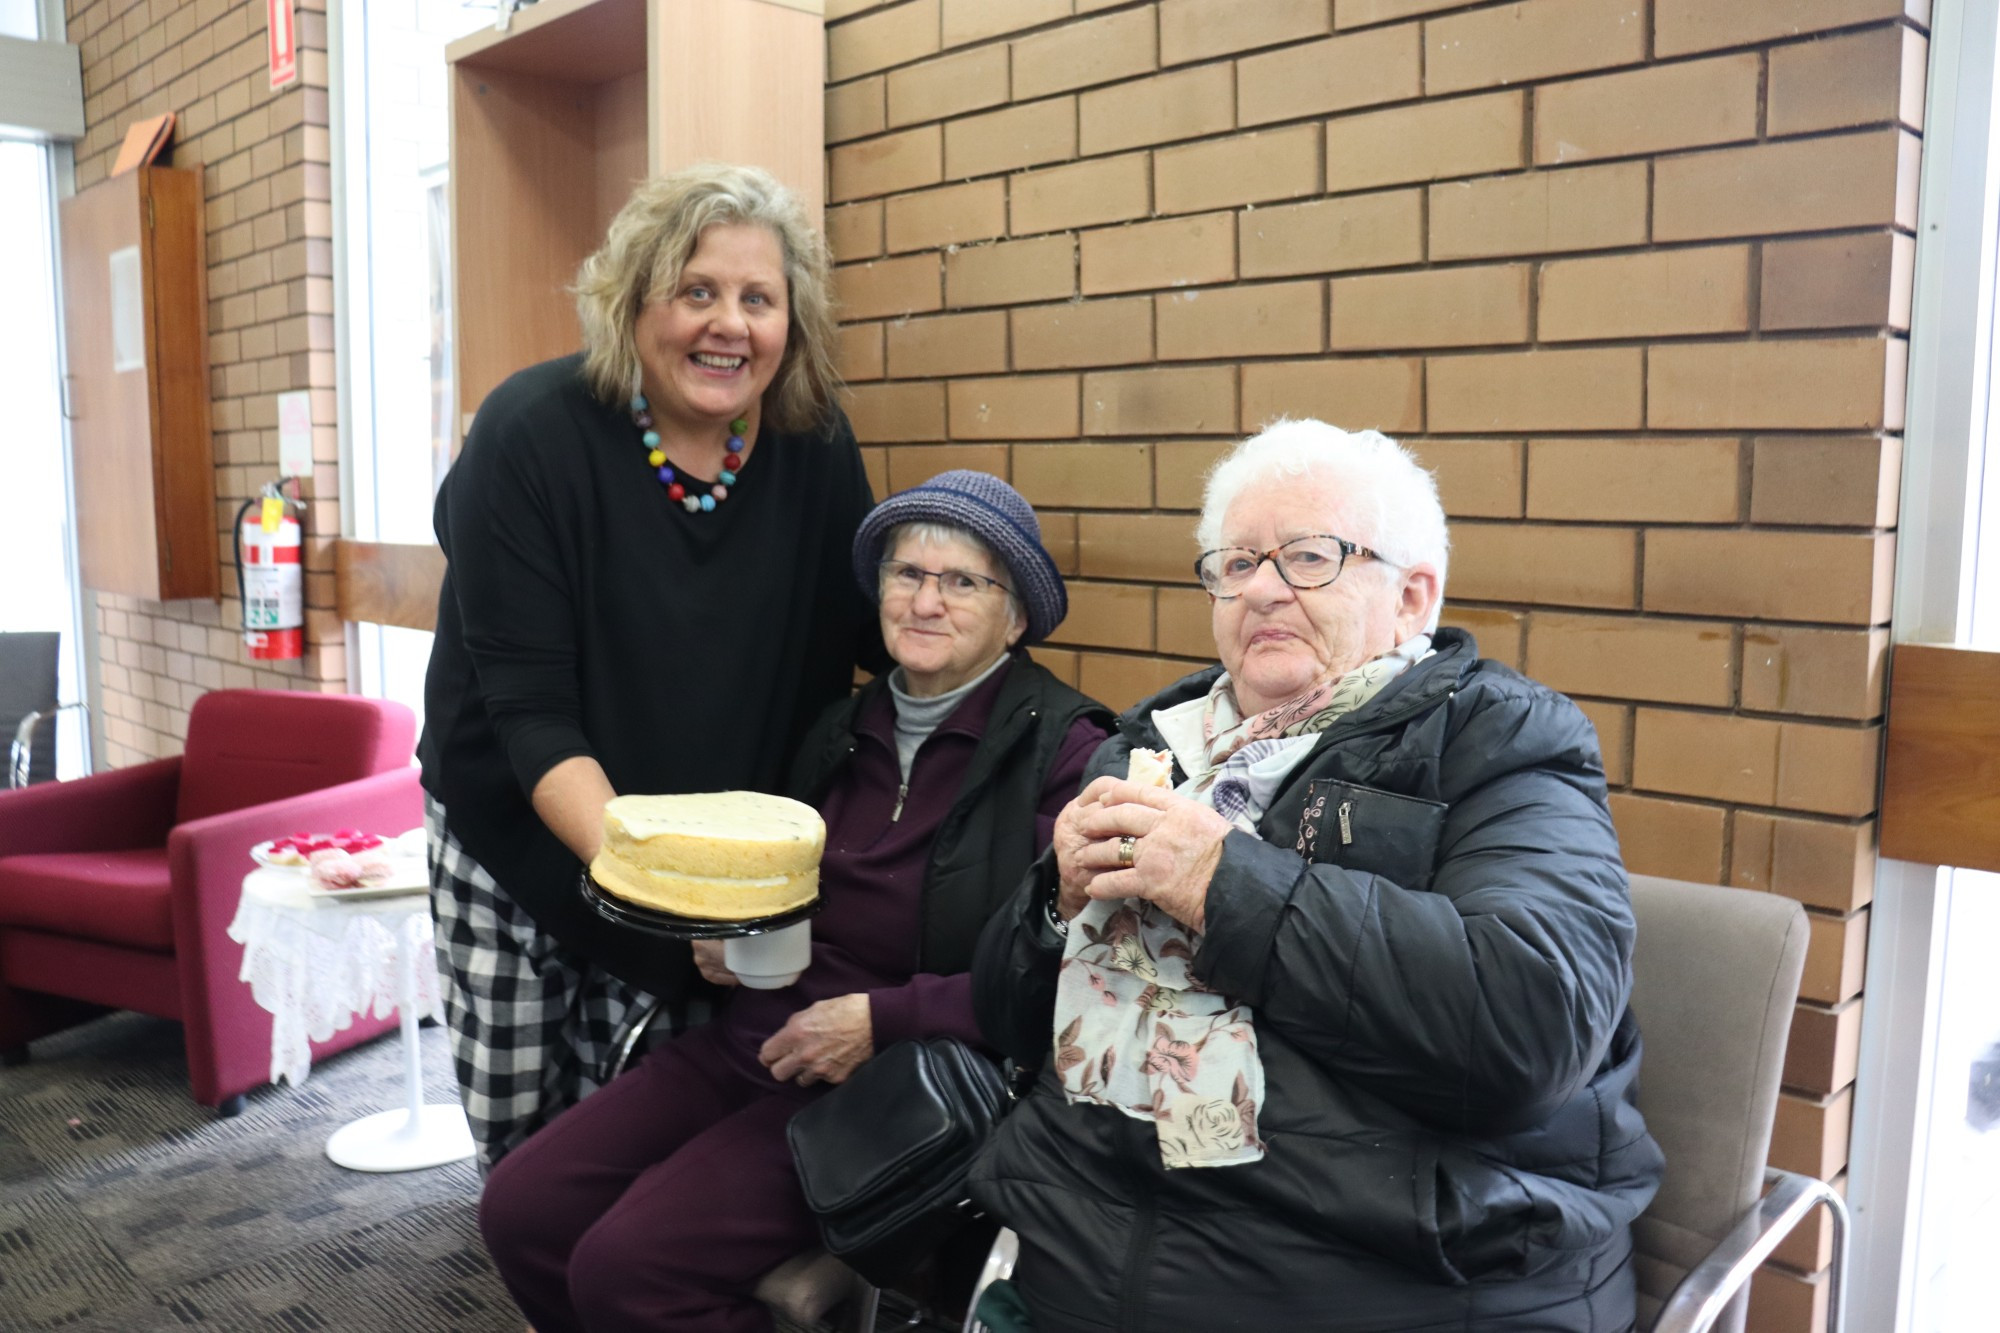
x: 646, y: 591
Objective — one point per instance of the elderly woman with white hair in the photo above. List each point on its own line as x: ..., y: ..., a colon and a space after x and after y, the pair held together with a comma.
x: 1332, y: 954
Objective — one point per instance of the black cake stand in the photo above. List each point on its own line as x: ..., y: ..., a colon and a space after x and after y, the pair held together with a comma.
x: 676, y: 927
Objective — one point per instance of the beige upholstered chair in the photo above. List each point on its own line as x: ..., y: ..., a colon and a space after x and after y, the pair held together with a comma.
x: 1715, y: 975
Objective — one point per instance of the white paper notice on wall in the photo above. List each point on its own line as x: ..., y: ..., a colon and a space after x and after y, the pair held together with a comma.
x: 128, y: 311
x: 295, y: 434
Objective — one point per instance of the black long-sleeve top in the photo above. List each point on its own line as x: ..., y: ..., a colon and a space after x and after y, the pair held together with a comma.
x: 585, y: 613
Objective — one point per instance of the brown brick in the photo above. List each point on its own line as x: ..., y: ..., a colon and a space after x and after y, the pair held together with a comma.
x: 1807, y: 1249
x: 1661, y: 293
x: 854, y: 110
x: 1017, y: 407
x: 1824, y: 1051
x: 1355, y: 393
x: 1826, y: 482
x: 1120, y: 681
x: 1182, y: 105
x: 1190, y: 400
x: 905, y: 161
x: 973, y: 20
x: 1475, y: 478
x: 1155, y: 547
x: 948, y: 345
x: 1338, y: 74
x: 1789, y: 384
x: 1463, y: 136
x: 1583, y: 208
x: 1583, y: 389
x: 1083, y: 333
x: 1499, y: 634
x: 953, y: 215
x: 1714, y: 756
x: 1333, y: 235
x: 1200, y: 29
x: 1866, y: 179
x: 1829, y: 577
x: 1185, y: 627
x: 1681, y: 26
x: 1021, y: 136
x: 1819, y: 862
x: 888, y: 287
x: 949, y: 86
x: 842, y: 9
x: 1241, y: 169
x: 855, y: 231
x: 1829, y: 282
x: 1613, y: 724
x: 1809, y: 1135
x: 1058, y: 662
x: 1059, y: 536
x: 914, y: 465
x: 1821, y: 672
x: 1083, y: 194
x: 1634, y: 481
x: 889, y: 413
x: 1108, y: 615
x: 1268, y: 319
x: 1836, y: 953
x: 1093, y: 476
x: 1829, y: 770
x: 1541, y: 565
x: 859, y: 354
x: 1453, y: 307
x: 1180, y: 468
x: 1535, y: 39
x: 1858, y: 78
x: 1677, y: 839
x: 1361, y: 13
x: 1091, y: 51
x: 876, y: 41
x: 1176, y: 252
x: 1634, y: 657
x: 1653, y: 110
x: 1008, y: 271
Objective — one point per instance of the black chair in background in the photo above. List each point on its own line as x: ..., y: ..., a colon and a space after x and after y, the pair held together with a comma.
x: 28, y: 704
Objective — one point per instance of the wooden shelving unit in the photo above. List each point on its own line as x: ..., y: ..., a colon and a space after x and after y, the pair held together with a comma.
x: 554, y: 120
x: 135, y: 309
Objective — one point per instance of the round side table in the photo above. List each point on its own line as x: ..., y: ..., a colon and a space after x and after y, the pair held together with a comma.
x: 315, y: 959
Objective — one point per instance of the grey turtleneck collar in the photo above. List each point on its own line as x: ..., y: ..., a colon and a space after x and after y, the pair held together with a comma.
x: 917, y: 718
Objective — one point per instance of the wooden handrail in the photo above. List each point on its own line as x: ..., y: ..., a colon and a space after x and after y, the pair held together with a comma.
x: 1941, y: 776
x: 388, y: 583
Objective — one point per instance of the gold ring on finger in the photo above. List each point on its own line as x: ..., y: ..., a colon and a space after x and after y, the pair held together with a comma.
x: 1128, y: 851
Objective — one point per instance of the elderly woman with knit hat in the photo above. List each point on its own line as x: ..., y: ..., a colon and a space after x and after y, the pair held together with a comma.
x: 660, y: 1201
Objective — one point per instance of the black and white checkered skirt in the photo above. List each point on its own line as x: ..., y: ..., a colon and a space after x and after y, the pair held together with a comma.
x: 533, y: 1029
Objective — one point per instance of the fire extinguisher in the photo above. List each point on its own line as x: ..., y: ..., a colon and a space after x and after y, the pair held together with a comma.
x: 269, y: 578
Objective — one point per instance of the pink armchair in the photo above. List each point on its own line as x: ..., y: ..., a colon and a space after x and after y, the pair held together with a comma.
x: 116, y: 891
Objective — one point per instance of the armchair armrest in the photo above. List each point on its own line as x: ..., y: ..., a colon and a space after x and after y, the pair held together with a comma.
x: 114, y: 811
x: 1699, y: 1300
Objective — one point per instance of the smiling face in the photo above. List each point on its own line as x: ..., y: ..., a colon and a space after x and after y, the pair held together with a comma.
x: 709, y: 348
x: 1277, y: 641
x: 942, y: 643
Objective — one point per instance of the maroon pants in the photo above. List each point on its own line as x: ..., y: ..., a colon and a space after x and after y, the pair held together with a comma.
x: 656, y: 1203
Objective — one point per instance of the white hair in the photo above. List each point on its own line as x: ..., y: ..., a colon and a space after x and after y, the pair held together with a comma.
x: 1392, y: 499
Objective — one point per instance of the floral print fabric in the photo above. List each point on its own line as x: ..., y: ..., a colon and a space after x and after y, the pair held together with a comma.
x: 1135, y: 1029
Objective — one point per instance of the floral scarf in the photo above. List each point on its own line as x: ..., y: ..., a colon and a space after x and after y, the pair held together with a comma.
x: 1135, y: 1028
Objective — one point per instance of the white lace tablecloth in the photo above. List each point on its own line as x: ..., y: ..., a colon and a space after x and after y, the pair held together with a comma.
x: 316, y: 961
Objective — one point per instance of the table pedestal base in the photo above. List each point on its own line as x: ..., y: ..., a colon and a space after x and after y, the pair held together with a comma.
x: 399, y: 1141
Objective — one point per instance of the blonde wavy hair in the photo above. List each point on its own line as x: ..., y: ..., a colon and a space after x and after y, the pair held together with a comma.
x: 651, y: 240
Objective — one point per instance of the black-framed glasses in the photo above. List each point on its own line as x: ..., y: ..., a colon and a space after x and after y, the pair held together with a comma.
x: 1312, y: 561
x: 958, y: 586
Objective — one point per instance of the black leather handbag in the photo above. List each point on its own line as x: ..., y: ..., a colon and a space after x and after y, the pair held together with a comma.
x: 883, y: 1157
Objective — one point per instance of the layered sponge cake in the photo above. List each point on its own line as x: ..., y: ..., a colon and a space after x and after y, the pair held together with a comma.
x: 718, y: 856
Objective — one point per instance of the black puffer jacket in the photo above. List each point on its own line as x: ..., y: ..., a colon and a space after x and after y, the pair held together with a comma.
x: 1440, y: 996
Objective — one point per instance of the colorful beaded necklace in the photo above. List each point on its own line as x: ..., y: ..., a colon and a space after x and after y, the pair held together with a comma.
x: 676, y: 490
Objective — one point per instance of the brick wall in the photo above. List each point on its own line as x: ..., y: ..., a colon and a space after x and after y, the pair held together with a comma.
x: 270, y: 284
x: 1632, y: 276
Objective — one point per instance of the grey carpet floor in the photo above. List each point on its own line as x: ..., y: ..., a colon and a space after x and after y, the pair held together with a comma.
x: 126, y: 1207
